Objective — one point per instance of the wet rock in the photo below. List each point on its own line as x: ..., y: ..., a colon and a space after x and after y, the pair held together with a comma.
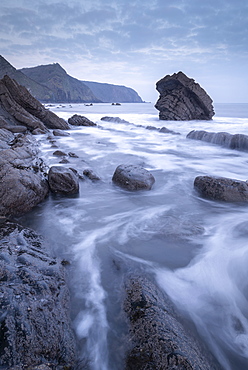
x: 18, y: 106
x: 59, y: 153
x: 91, y: 175
x: 38, y: 131
x: 63, y: 180
x: 236, y: 141
x: 163, y: 130
x: 60, y: 133
x: 35, y: 326
x: 114, y: 119
x: 181, y: 98
x: 132, y: 177
x: 77, y: 120
x: 221, y: 188
x: 6, y: 137
x: 22, y: 177
x: 73, y: 155
x: 158, y: 339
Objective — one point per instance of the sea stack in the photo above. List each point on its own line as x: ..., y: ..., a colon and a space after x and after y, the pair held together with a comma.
x: 182, y: 99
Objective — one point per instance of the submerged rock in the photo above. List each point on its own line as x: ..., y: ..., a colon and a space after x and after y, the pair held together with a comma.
x: 236, y: 141
x: 77, y: 120
x: 158, y: 340
x: 181, y: 98
x: 114, y: 119
x: 91, y: 175
x: 221, y: 188
x: 63, y: 180
x: 132, y: 177
x: 34, y: 304
x: 23, y: 177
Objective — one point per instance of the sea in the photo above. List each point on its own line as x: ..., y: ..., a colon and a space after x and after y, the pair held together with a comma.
x: 195, y: 249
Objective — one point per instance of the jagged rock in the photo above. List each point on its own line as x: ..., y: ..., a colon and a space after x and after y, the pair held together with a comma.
x: 163, y: 130
x: 222, y: 188
x: 34, y: 304
x: 60, y: 133
x: 18, y: 106
x: 77, y: 120
x: 132, y: 177
x: 63, y: 180
x: 158, y: 339
x: 91, y: 175
x: 182, y: 99
x: 236, y: 141
x: 22, y: 174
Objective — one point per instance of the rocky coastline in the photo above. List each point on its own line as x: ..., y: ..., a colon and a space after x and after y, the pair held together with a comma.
x: 31, y: 277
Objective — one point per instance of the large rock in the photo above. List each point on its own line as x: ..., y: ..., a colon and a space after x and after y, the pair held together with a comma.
x: 22, y: 176
x: 77, y: 120
x: 18, y: 106
x: 132, y: 177
x: 181, y: 98
x: 34, y: 304
x: 63, y: 180
x: 236, y: 141
x: 158, y: 340
x: 221, y: 188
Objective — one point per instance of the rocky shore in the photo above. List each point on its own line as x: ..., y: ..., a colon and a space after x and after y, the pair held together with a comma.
x: 36, y: 330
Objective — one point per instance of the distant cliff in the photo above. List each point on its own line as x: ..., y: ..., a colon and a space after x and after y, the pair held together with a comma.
x: 40, y: 92
x: 113, y: 93
x: 66, y: 89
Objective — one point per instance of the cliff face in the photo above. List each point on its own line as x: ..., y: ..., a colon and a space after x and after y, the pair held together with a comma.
x: 40, y: 92
x: 113, y: 93
x: 66, y: 89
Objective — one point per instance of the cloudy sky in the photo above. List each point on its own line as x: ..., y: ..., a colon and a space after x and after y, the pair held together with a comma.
x: 133, y: 42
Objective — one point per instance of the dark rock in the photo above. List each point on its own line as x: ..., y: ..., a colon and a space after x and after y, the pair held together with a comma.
x: 63, y: 180
x: 59, y: 153
x: 132, y: 177
x: 19, y: 106
x: 35, y: 323
x: 165, y: 130
x: 6, y: 138
x: 158, y: 340
x: 182, y: 99
x: 114, y: 119
x: 18, y: 129
x: 151, y: 128
x: 22, y: 174
x: 77, y: 120
x: 64, y: 160
x: 91, y: 175
x: 60, y: 133
x: 38, y: 131
x: 73, y: 155
x: 221, y: 188
x: 236, y: 141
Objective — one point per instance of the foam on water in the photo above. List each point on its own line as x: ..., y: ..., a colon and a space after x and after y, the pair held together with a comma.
x: 197, y: 249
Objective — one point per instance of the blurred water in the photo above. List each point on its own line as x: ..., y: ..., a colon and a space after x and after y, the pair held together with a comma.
x: 197, y: 249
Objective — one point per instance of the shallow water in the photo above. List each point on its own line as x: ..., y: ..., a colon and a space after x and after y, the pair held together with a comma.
x: 197, y: 249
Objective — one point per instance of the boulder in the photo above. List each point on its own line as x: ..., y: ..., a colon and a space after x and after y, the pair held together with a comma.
x: 182, y: 99
x: 18, y: 106
x: 163, y: 130
x: 236, y: 141
x: 157, y: 337
x: 63, y: 180
x: 23, y: 177
x: 114, y: 119
x: 132, y: 177
x: 34, y: 304
x: 77, y: 120
x: 222, y: 188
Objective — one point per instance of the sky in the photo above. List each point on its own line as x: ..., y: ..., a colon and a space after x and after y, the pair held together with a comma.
x: 133, y: 43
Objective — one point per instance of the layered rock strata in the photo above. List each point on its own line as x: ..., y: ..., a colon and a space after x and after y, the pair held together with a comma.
x: 182, y: 99
x: 19, y: 107
x: 158, y: 340
x: 236, y: 141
